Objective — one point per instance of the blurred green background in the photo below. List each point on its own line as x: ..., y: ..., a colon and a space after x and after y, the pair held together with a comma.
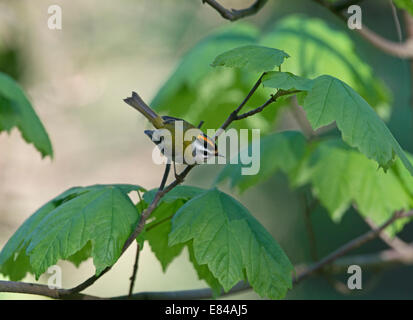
x: 76, y: 79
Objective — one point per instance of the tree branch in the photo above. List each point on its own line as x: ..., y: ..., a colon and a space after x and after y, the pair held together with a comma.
x: 135, y: 270
x: 234, y: 14
x: 353, y: 244
x: 372, y: 260
x: 273, y: 98
x: 401, y: 50
x: 234, y: 114
x: 42, y: 290
x: 393, y: 242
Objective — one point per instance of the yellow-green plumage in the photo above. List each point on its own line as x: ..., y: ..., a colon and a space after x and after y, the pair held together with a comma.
x: 168, y: 123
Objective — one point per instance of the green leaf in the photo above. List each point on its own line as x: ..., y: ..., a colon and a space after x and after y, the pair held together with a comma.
x: 252, y: 58
x: 100, y: 216
x: 318, y: 48
x: 405, y: 4
x: 16, y: 111
x: 159, y: 226
x: 332, y: 100
x: 177, y: 193
x: 157, y: 231
x: 278, y: 151
x: 341, y: 176
x: 286, y: 81
x: 82, y: 255
x: 232, y: 243
x: 195, y: 91
x: 403, y: 174
x: 204, y: 273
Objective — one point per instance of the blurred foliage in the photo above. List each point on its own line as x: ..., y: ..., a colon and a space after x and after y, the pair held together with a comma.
x: 282, y: 151
x: 338, y: 175
x: 17, y: 111
x: 317, y: 49
x: 405, y: 4
x: 10, y: 61
x: 196, y: 92
x: 232, y: 243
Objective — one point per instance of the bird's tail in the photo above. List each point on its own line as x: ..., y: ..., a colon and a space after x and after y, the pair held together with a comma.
x: 136, y: 102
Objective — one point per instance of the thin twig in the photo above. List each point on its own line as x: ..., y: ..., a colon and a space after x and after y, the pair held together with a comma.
x: 234, y: 114
x: 353, y: 244
x: 135, y: 270
x: 401, y: 50
x: 234, y: 14
x: 396, y: 21
x: 302, y: 121
x: 386, y: 257
x: 165, y: 176
x: 273, y: 98
x: 393, y: 242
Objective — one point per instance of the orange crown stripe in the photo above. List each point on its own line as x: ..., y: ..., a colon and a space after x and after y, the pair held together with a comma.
x: 212, y: 144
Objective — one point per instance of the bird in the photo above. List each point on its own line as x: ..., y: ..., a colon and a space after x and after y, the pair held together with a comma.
x: 197, y: 149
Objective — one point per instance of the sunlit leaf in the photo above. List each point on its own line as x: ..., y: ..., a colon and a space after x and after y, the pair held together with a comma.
x: 332, y: 100
x: 232, y: 243
x: 286, y: 81
x: 252, y: 58
x: 341, y: 176
x: 100, y: 216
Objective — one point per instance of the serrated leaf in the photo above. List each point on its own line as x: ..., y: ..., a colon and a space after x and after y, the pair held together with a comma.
x: 278, y: 151
x: 286, y: 81
x: 177, y: 193
x: 204, y: 273
x: 159, y: 225
x: 82, y: 255
x: 16, y: 111
x: 195, y: 91
x: 252, y: 58
x: 102, y: 215
x: 331, y: 100
x: 232, y: 243
x: 157, y: 231
x: 341, y: 176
